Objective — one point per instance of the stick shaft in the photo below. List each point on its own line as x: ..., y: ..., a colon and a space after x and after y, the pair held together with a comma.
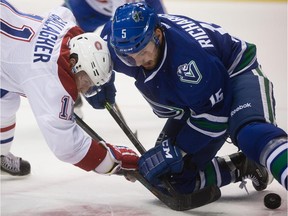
x: 125, y: 128
x: 87, y: 129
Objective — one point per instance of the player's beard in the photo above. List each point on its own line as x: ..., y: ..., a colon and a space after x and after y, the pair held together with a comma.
x: 153, y: 63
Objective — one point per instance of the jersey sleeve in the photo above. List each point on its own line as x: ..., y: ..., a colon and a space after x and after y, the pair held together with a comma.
x: 237, y: 55
x: 210, y: 107
x: 52, y: 107
x: 208, y: 115
x: 203, y: 87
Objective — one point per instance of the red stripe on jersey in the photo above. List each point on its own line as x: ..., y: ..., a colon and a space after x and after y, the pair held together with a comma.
x: 93, y: 158
x: 64, y: 69
x: 7, y: 128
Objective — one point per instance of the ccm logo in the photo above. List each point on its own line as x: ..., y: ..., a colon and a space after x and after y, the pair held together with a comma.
x: 166, y: 149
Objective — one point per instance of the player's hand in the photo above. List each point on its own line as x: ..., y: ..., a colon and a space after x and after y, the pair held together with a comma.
x: 107, y: 94
x: 117, y: 160
x: 125, y: 158
x: 161, y: 159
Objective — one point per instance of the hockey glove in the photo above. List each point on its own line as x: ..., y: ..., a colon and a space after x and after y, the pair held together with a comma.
x: 117, y: 158
x: 107, y: 93
x: 161, y: 159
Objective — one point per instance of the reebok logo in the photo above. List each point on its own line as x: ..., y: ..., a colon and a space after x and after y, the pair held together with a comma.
x: 244, y: 106
x: 166, y: 149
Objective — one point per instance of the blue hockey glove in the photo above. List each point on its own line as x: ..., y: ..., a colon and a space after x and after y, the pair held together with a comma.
x: 107, y: 94
x: 161, y: 159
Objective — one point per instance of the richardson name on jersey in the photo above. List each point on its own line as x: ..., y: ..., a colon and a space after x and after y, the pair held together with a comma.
x: 192, y: 29
x: 47, y: 38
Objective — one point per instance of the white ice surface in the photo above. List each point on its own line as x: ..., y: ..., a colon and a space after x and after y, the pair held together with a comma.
x: 58, y: 189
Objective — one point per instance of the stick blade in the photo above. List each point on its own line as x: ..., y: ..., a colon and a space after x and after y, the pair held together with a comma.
x: 199, y: 198
x: 182, y: 202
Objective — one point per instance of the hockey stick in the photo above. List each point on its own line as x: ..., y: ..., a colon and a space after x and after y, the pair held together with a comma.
x: 118, y: 117
x: 174, y: 200
x: 122, y: 117
x: 87, y: 129
x: 178, y: 203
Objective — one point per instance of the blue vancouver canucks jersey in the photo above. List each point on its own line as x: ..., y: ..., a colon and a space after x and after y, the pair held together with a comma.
x: 191, y: 82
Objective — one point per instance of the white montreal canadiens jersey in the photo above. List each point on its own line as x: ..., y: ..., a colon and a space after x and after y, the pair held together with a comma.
x: 33, y: 64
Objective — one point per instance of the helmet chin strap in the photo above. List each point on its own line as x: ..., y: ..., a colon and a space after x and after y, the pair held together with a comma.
x: 160, y: 46
x: 156, y: 40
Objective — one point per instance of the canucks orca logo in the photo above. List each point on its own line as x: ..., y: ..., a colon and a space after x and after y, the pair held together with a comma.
x: 163, y: 111
x: 189, y: 73
x: 137, y: 16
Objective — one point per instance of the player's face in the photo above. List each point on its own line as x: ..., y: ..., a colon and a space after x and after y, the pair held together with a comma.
x: 83, y: 82
x: 146, y: 57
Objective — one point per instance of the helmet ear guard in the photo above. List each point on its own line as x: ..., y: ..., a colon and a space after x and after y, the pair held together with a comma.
x: 92, y: 56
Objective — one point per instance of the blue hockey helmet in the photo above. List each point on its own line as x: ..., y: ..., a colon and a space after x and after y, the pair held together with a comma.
x: 133, y: 26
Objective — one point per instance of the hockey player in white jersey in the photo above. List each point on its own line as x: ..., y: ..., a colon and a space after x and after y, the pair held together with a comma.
x: 49, y: 61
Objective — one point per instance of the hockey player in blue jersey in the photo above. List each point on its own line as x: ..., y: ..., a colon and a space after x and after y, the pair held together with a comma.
x: 210, y: 86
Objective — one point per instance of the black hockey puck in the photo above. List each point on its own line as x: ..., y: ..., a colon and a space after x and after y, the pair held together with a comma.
x: 272, y: 201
